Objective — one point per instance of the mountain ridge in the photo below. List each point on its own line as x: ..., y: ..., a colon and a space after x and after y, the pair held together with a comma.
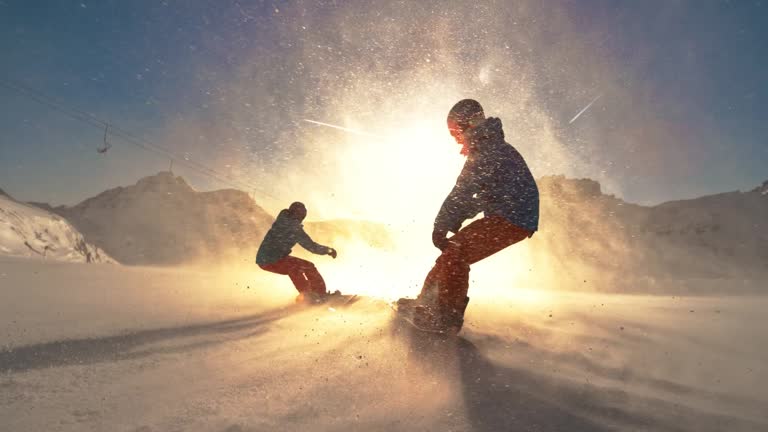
x: 162, y: 220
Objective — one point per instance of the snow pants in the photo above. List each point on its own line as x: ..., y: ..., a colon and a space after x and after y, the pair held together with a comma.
x: 447, y: 283
x: 303, y: 274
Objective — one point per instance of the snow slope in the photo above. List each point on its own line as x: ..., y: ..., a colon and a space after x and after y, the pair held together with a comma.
x: 27, y: 231
x: 142, y: 350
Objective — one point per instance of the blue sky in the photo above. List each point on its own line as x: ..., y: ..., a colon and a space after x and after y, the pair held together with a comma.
x: 683, y: 113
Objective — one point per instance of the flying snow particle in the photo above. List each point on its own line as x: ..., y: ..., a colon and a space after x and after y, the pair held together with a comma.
x: 357, y: 132
x: 584, y: 109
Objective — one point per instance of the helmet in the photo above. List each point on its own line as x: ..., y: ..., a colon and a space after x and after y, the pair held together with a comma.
x: 298, y: 210
x: 464, y: 114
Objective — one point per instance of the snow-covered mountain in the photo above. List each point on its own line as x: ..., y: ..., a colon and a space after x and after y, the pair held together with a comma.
x: 161, y: 220
x: 27, y: 231
x: 722, y: 235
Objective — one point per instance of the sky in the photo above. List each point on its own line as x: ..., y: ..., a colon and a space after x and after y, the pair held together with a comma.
x: 681, y: 110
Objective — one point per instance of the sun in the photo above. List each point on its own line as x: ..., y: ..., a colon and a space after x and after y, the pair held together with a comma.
x: 399, y: 179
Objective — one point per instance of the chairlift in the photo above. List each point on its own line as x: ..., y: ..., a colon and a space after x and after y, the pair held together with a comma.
x: 106, y: 146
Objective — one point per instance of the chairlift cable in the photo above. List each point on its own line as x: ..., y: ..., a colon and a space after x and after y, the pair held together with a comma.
x: 125, y: 135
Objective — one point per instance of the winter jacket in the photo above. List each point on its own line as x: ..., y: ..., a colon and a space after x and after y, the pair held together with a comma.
x: 285, y: 232
x: 495, y: 180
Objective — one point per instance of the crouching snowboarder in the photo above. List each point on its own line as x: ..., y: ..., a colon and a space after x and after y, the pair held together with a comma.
x: 495, y: 180
x: 274, y: 253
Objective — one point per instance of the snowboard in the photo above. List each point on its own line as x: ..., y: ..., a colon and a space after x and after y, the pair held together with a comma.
x: 335, y: 299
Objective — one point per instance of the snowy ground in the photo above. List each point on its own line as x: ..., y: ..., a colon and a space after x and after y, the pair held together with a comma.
x: 96, y: 348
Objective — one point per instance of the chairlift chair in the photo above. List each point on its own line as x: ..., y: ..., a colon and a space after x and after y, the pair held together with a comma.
x: 106, y: 146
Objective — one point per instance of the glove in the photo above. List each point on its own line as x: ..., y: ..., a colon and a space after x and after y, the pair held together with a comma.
x: 439, y: 239
x: 332, y: 252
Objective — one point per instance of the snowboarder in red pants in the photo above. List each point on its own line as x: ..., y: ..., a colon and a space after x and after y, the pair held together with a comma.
x: 495, y: 180
x: 274, y: 253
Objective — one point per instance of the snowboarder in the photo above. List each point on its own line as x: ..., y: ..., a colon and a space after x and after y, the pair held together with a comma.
x: 274, y: 253
x: 495, y: 180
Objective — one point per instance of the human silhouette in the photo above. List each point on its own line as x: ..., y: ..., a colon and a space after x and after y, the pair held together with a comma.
x: 495, y: 180
x: 274, y: 254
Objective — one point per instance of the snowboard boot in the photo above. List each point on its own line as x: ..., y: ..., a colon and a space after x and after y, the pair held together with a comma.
x: 310, y: 298
x: 440, y: 319
x: 452, y: 318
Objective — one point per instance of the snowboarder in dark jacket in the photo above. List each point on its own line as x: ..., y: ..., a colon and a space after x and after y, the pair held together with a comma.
x: 274, y: 253
x: 495, y: 180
